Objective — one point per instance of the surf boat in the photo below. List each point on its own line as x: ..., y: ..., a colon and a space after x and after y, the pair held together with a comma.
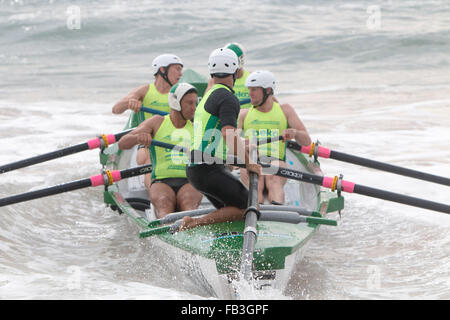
x: 212, y: 255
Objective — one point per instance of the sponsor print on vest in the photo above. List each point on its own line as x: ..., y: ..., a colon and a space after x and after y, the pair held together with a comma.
x: 171, y: 163
x: 154, y: 100
x: 267, y: 125
x: 241, y: 91
x: 208, y: 131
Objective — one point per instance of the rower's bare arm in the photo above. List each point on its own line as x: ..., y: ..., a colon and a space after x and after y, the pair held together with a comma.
x: 301, y: 135
x: 143, y: 134
x: 242, y: 115
x: 132, y: 101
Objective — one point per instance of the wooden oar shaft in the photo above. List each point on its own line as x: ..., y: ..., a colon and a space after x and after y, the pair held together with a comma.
x: 45, y: 157
x: 389, y: 168
x: 344, y: 157
x: 97, y: 180
x: 71, y: 186
x: 89, y: 145
x: 351, y: 187
x: 347, y: 186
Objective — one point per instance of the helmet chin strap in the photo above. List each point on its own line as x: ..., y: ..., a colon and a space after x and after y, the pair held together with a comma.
x: 165, y: 75
x: 265, y: 96
x: 181, y: 113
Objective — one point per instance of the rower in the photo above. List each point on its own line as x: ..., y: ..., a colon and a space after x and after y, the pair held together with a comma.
x: 268, y: 119
x: 168, y: 187
x: 239, y: 88
x: 215, y: 135
x: 167, y: 70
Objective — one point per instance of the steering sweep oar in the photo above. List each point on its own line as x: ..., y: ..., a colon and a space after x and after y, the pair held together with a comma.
x: 319, y: 151
x: 99, y: 142
x: 107, y: 178
x: 251, y: 216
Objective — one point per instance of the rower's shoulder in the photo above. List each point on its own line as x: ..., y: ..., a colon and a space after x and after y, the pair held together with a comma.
x: 243, y: 113
x: 287, y: 108
x: 152, y: 121
x: 140, y: 91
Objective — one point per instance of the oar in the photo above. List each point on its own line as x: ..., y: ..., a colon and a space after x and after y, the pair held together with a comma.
x: 102, y: 141
x: 107, y: 178
x: 172, y: 217
x: 350, y: 187
x: 333, y: 183
x: 251, y: 216
x: 266, y: 215
x: 163, y: 113
x: 293, y: 217
x: 327, y: 153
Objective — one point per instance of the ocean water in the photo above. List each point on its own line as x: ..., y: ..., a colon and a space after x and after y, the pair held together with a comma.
x: 370, y: 78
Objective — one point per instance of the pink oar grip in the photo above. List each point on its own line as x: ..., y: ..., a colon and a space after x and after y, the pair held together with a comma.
x: 96, y: 143
x: 99, y: 181
x: 322, y: 151
x: 347, y: 186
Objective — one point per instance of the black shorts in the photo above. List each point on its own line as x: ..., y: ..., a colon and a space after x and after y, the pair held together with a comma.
x: 174, y: 183
x: 217, y: 184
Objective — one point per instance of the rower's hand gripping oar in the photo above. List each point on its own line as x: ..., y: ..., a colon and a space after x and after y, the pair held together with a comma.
x: 107, y: 178
x: 317, y: 151
x: 100, y: 142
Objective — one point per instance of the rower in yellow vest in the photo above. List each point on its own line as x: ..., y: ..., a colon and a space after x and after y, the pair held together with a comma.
x: 239, y: 88
x: 267, y: 119
x: 167, y: 70
x: 168, y: 187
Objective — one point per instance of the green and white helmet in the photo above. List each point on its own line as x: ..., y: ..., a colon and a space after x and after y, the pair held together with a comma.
x: 165, y: 60
x: 261, y: 78
x: 223, y: 62
x: 239, y: 50
x: 177, y: 92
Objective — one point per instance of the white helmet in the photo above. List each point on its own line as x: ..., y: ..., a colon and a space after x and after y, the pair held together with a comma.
x: 177, y: 93
x: 261, y: 78
x: 223, y: 62
x: 165, y: 60
x: 239, y: 50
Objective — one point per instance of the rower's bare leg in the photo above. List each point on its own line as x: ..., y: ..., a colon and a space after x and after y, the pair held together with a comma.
x: 275, y: 184
x: 225, y: 214
x: 163, y: 198
x: 188, y: 198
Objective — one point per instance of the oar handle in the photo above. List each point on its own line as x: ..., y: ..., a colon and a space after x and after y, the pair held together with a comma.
x: 163, y: 113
